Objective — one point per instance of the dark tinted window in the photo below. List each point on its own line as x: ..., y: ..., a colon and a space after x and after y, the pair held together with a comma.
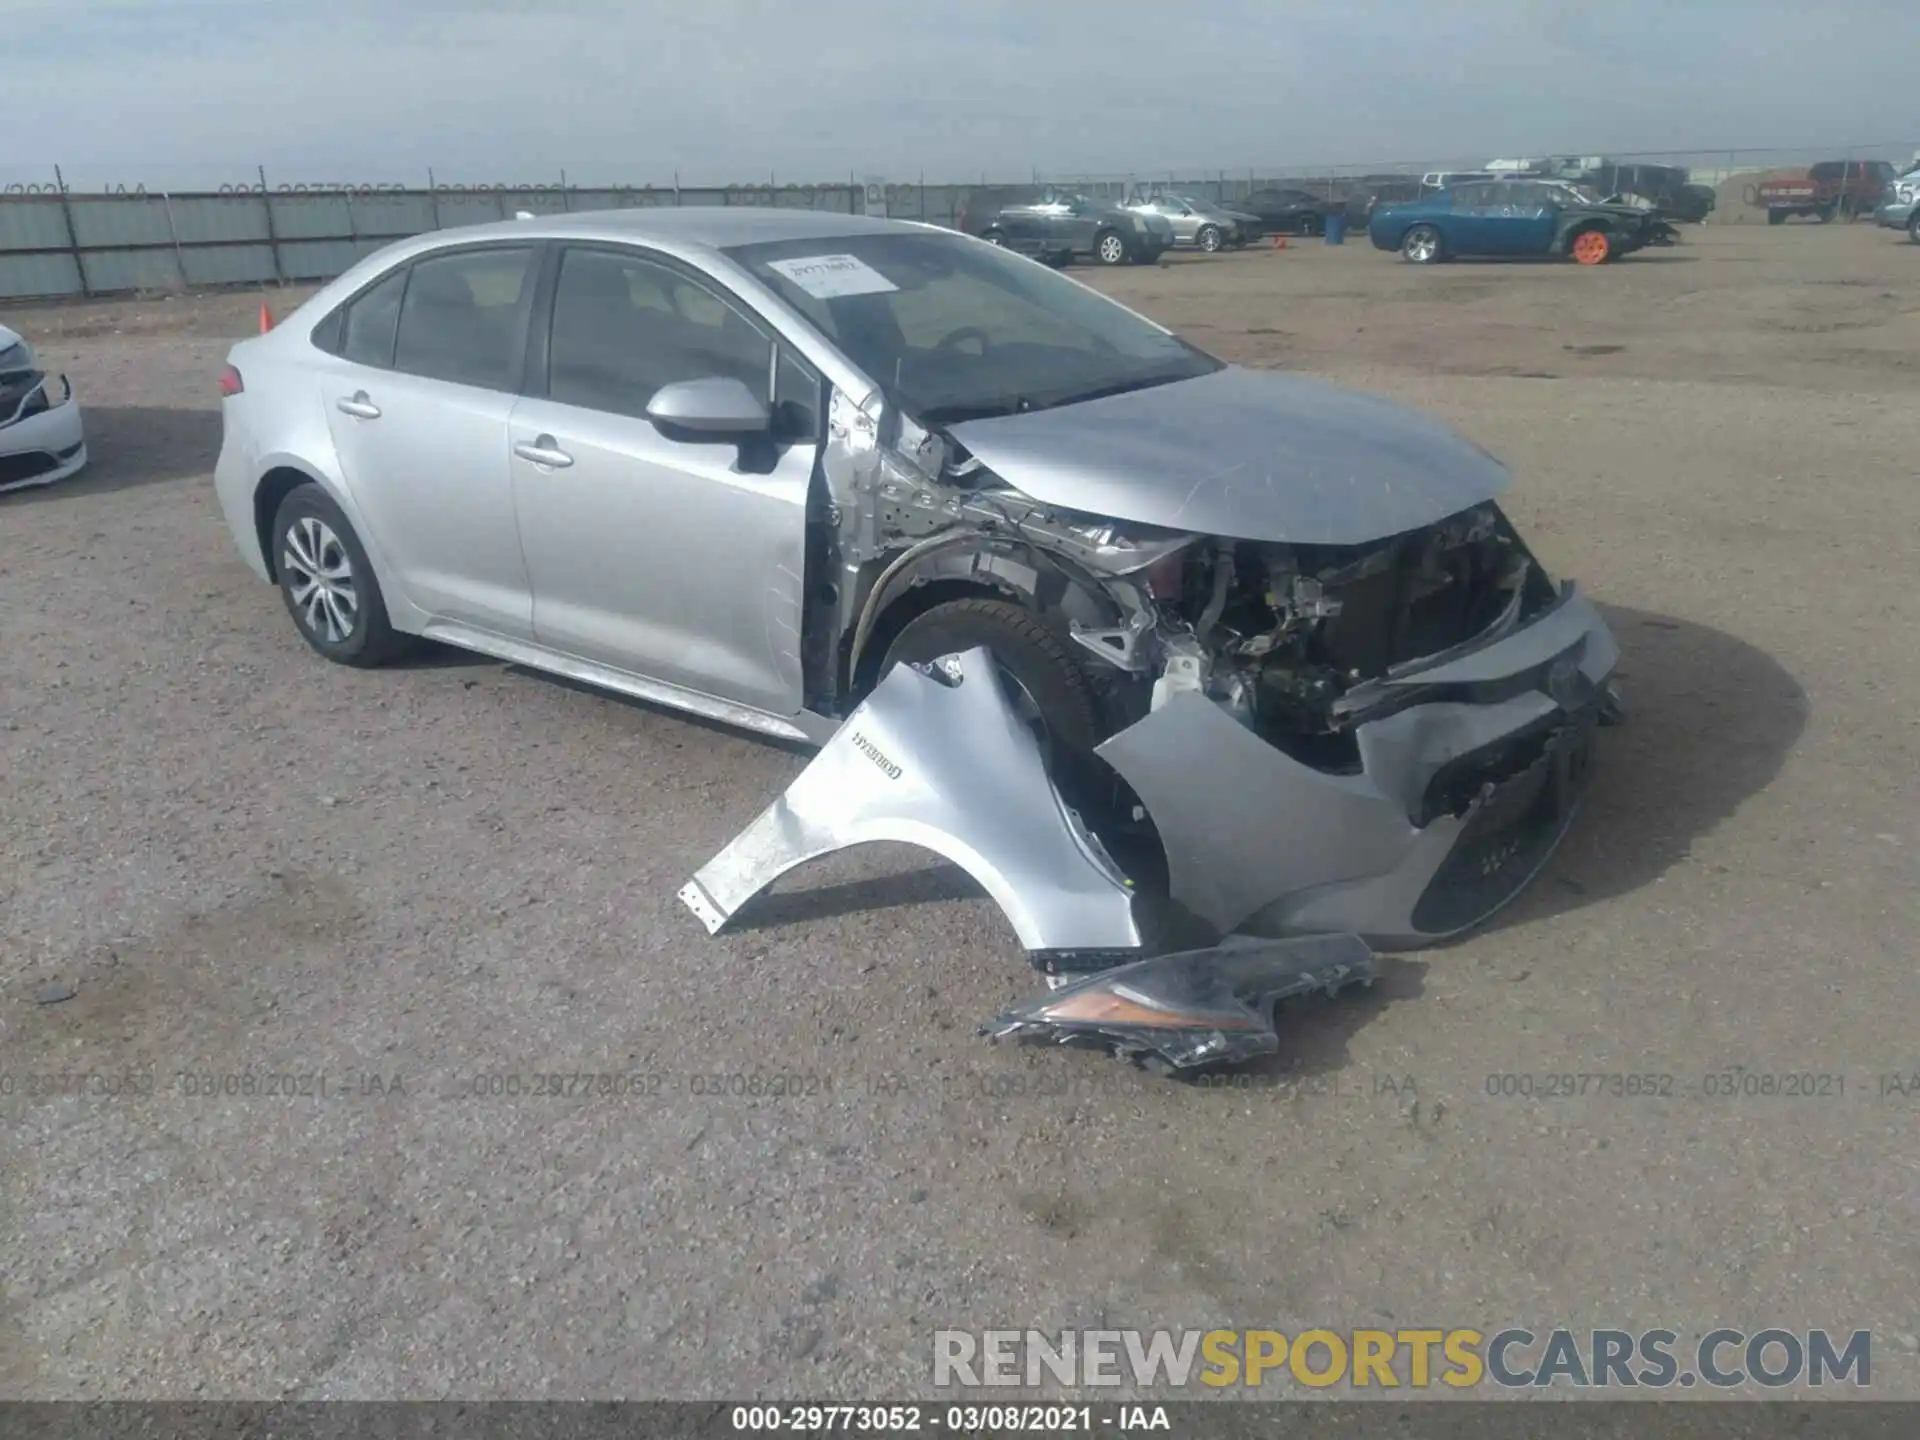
x: 624, y: 326
x: 366, y: 335
x: 461, y: 319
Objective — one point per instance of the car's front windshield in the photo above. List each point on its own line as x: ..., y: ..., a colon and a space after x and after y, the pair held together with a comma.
x: 953, y: 329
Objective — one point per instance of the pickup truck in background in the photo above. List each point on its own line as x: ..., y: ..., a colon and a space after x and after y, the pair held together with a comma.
x: 1846, y: 188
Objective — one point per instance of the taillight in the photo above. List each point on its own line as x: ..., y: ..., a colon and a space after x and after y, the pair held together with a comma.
x: 230, y: 381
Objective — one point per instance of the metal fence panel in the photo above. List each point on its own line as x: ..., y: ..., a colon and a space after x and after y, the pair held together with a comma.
x: 99, y: 223
x: 468, y: 207
x: 34, y: 223
x: 217, y: 219
x: 229, y: 265
x: 27, y: 277
x: 392, y: 215
x: 310, y: 217
x: 148, y: 269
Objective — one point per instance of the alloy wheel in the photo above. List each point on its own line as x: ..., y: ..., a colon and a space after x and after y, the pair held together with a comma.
x: 1423, y: 246
x: 1112, y: 250
x: 320, y: 579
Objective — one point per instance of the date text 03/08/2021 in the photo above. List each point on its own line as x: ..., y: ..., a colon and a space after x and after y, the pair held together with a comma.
x: 1056, y: 1419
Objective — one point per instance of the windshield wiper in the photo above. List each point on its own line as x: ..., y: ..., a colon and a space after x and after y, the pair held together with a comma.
x: 1118, y: 387
x: 976, y: 410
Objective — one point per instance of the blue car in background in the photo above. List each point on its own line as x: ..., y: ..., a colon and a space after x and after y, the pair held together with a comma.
x: 1515, y: 218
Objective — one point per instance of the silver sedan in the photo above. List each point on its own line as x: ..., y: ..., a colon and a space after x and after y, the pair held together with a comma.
x: 1200, y: 223
x: 779, y: 467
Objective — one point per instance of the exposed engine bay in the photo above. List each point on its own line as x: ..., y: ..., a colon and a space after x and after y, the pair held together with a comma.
x: 1285, y: 638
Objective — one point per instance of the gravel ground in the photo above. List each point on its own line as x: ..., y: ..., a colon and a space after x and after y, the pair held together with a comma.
x: 430, y: 884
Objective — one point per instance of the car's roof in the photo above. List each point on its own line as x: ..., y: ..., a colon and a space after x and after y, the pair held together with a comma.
x: 711, y: 226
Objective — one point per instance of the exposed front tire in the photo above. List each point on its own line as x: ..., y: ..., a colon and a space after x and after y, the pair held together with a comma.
x: 1823, y: 214
x: 1208, y: 239
x: 1045, y: 683
x: 1110, y: 247
x: 1776, y: 217
x: 1913, y: 227
x: 328, y: 583
x: 1422, y: 245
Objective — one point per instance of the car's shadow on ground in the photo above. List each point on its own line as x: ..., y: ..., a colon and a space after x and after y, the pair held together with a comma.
x: 133, y: 445
x: 1710, y: 721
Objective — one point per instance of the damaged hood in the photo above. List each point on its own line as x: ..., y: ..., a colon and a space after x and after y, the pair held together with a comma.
x: 1244, y: 454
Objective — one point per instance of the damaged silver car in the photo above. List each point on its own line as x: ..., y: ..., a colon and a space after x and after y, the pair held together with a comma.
x: 1047, y: 584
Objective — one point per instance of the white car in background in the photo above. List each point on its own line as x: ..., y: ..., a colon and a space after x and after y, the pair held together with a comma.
x: 41, y: 437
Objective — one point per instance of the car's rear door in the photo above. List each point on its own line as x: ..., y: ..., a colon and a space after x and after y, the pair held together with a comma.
x: 679, y: 561
x: 417, y: 399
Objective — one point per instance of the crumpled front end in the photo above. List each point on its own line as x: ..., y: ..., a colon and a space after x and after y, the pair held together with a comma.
x: 42, y: 438
x: 1466, y: 772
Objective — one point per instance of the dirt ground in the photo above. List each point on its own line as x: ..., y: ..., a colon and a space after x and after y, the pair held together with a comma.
x: 423, y: 887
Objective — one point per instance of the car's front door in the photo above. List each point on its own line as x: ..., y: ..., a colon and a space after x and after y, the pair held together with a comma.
x: 418, y: 389
x: 1471, y: 227
x: 677, y: 560
x: 1530, y: 216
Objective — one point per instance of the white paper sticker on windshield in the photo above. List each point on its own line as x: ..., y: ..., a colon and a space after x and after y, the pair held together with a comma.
x: 828, y: 277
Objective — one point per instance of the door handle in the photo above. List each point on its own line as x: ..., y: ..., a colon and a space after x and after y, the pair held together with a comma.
x: 544, y: 450
x: 359, y: 406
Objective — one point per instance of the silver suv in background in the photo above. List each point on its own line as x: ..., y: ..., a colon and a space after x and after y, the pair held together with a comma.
x: 1199, y: 223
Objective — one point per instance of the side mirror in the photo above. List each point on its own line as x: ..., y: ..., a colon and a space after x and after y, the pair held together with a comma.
x: 712, y: 409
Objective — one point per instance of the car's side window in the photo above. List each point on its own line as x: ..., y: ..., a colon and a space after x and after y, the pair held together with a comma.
x: 624, y: 326
x: 367, y: 329
x: 462, y: 319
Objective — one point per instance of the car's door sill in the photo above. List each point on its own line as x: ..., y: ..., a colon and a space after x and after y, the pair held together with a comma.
x: 805, y: 726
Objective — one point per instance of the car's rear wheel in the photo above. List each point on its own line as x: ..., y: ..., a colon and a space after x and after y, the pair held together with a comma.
x: 328, y: 582
x: 1592, y: 247
x: 1422, y: 245
x: 1824, y: 214
x: 1110, y: 248
x: 1913, y: 226
x: 1045, y: 684
x: 1209, y: 238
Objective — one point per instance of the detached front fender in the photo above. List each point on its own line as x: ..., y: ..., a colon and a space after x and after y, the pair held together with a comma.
x: 937, y: 758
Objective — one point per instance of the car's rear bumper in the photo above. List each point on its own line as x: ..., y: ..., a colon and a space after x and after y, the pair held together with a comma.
x: 1896, y: 214
x: 47, y: 446
x: 1469, y: 777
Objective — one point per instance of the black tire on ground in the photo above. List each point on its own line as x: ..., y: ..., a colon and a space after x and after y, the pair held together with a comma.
x: 1776, y: 217
x: 1036, y: 659
x: 1110, y: 248
x: 1208, y: 238
x: 308, y: 524
x: 1913, y: 226
x: 1823, y: 214
x: 994, y: 237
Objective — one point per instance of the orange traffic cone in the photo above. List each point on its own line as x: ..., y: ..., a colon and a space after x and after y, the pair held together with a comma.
x: 266, y: 318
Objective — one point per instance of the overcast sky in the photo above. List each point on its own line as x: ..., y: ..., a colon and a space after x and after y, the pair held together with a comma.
x: 190, y: 92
